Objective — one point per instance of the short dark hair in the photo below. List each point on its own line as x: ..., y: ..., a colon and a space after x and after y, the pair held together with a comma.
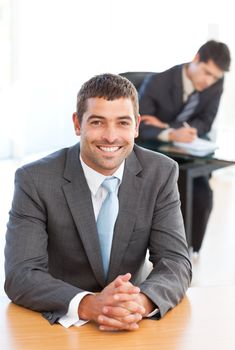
x: 216, y: 51
x: 107, y: 86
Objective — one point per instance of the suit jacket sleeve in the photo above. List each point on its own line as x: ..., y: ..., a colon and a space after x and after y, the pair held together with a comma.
x: 149, y: 105
x: 28, y: 281
x: 171, y: 275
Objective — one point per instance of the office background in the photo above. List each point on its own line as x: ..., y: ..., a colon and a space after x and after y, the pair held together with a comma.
x: 49, y: 47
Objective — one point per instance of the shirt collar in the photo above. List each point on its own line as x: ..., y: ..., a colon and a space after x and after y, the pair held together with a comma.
x: 94, y: 178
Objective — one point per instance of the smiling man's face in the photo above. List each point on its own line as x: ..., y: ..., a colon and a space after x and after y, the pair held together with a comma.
x: 107, y: 132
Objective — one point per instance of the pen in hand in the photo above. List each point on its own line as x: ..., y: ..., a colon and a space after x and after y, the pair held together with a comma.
x: 192, y: 131
x: 186, y: 125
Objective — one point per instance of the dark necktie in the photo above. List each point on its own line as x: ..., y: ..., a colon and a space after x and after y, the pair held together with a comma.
x: 189, y: 107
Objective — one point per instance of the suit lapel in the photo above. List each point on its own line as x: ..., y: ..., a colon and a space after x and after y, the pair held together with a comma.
x: 177, y: 89
x: 129, y: 197
x: 78, y: 197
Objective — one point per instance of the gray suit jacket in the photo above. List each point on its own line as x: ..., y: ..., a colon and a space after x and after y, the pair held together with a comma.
x: 52, y: 248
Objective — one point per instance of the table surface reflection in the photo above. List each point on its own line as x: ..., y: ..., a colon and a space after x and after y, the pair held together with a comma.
x: 205, y: 319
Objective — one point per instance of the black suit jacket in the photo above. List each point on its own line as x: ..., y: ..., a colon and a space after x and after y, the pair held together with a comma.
x: 161, y: 95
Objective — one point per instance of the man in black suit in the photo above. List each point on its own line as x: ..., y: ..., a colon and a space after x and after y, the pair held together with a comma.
x: 165, y: 108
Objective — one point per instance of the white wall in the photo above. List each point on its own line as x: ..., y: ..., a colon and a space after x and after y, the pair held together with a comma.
x: 57, y: 44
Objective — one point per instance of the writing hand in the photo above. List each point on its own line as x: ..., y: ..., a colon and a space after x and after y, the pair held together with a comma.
x: 184, y: 134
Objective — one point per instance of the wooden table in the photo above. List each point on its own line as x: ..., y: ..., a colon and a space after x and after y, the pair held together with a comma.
x: 205, y: 319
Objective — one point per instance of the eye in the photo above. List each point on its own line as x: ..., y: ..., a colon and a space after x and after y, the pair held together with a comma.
x: 125, y: 123
x: 96, y: 122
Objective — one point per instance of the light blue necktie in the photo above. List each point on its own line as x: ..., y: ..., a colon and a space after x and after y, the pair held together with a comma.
x: 106, y: 219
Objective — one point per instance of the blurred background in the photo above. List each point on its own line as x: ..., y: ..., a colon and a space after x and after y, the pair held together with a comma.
x: 48, y: 48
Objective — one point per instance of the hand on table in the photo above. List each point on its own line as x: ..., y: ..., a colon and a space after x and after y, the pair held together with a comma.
x: 119, y: 306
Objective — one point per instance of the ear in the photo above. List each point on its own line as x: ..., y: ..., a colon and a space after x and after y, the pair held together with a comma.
x: 137, y: 126
x: 196, y: 58
x: 76, y: 124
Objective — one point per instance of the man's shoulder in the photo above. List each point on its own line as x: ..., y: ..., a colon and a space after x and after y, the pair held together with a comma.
x: 166, y: 77
x: 177, y: 69
x: 54, y: 162
x: 152, y: 158
x: 154, y: 166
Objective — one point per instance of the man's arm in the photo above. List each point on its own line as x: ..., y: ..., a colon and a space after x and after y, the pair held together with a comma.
x: 28, y: 281
x: 182, y: 134
x: 171, y: 275
x: 151, y: 126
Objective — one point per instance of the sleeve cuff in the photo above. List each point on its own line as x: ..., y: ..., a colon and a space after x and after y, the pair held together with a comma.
x: 72, y: 318
x: 164, y: 135
x: 153, y: 313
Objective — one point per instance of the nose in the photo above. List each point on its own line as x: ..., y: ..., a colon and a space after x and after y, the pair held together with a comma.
x: 110, y: 134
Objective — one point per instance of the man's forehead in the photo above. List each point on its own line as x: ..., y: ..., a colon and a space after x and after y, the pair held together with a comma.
x: 100, y: 103
x: 104, y: 99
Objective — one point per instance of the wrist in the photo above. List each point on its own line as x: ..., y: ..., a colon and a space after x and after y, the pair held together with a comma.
x: 171, y: 135
x: 147, y: 304
x: 85, y: 307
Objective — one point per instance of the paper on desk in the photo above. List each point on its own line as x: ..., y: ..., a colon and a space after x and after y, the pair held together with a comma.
x: 198, y: 146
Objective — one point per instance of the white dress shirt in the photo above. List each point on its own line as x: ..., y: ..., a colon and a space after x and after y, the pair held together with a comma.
x: 98, y: 195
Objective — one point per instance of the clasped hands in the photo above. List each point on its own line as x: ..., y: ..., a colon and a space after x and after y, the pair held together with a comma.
x: 119, y: 306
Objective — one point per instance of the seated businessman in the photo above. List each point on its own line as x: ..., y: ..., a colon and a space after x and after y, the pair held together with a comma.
x: 180, y: 104
x: 83, y: 218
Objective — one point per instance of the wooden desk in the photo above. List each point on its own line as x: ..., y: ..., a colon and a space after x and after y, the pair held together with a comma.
x: 205, y: 319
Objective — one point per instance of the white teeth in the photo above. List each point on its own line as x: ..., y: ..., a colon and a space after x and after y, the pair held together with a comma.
x: 109, y: 149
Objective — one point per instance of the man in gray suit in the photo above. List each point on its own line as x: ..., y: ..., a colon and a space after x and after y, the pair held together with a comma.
x: 53, y: 253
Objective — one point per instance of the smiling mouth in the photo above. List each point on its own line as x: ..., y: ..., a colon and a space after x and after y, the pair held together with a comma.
x: 109, y: 149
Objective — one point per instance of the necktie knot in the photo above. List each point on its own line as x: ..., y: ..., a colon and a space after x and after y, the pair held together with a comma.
x: 110, y: 184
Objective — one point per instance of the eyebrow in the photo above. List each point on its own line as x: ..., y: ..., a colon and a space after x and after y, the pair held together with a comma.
x: 213, y: 75
x: 95, y: 116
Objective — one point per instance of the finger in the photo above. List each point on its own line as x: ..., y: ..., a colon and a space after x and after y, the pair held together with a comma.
x: 114, y: 299
x: 122, y: 297
x: 122, y: 279
x: 132, y: 318
x: 115, y: 311
x: 132, y: 327
x: 127, y: 288
x: 133, y: 307
x: 115, y: 323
